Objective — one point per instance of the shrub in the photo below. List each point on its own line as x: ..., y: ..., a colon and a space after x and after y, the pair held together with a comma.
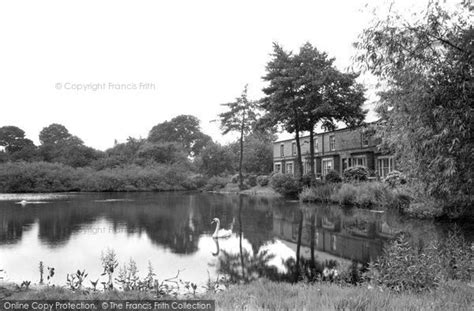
x: 194, y: 182
x: 263, y: 180
x: 252, y: 180
x: 346, y: 195
x: 215, y: 183
x: 333, y: 177
x: 395, y: 178
x: 356, y: 173
x: 306, y: 180
x: 406, y: 267
x: 320, y: 193
x: 285, y: 184
x: 234, y: 179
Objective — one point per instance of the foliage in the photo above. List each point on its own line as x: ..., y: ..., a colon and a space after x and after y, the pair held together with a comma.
x: 184, y: 130
x: 285, y: 184
x: 346, y: 195
x: 240, y: 117
x: 215, y: 183
x: 14, y: 141
x: 356, y: 173
x: 128, y: 277
x: 162, y: 152
x: 54, y: 177
x: 395, y: 178
x: 333, y: 177
x: 305, y: 89
x: 406, y: 267
x: 252, y: 180
x: 320, y: 193
x: 258, y: 150
x: 110, y: 264
x: 425, y: 65
x: 263, y: 180
x: 215, y: 159
x: 58, y: 145
x: 74, y: 280
x: 37, y: 177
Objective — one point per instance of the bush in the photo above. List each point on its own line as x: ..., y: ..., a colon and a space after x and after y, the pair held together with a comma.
x: 263, y: 180
x: 234, y: 179
x: 320, y: 193
x: 285, y: 184
x: 194, y: 182
x: 54, y: 177
x: 346, y: 195
x: 333, y: 177
x: 252, y: 180
x: 406, y: 267
x: 356, y: 173
x: 395, y: 178
x: 215, y: 183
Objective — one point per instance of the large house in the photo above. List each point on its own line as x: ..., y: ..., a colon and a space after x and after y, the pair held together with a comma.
x: 336, y: 150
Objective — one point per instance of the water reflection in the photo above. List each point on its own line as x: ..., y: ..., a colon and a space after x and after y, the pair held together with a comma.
x: 173, y: 232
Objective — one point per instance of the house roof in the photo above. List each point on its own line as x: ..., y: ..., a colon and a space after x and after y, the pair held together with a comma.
x: 328, y: 132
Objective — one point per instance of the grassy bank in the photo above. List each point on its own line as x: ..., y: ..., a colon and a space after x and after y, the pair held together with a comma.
x: 266, y: 295
x: 360, y: 194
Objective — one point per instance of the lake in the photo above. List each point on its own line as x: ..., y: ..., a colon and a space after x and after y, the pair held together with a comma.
x: 173, y: 230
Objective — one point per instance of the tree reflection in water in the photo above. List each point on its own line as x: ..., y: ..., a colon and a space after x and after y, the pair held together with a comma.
x: 274, y: 260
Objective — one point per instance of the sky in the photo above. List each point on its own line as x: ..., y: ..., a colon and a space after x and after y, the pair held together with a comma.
x: 108, y: 70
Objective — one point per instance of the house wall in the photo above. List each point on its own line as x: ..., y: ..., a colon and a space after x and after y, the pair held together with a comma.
x: 348, y: 144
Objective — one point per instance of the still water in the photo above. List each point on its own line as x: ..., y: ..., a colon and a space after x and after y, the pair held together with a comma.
x: 173, y: 232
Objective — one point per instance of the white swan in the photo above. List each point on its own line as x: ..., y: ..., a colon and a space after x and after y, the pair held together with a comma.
x: 221, y: 233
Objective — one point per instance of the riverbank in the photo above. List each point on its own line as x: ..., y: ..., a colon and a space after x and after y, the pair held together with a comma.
x: 269, y: 295
x: 258, y: 191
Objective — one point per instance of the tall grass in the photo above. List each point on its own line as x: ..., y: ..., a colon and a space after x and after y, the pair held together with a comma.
x: 321, y: 193
x: 266, y: 295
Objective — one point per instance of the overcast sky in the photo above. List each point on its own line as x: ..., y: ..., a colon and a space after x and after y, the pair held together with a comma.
x: 145, y: 62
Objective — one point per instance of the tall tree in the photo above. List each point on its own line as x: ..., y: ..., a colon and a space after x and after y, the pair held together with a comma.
x: 328, y: 95
x: 17, y: 147
x: 13, y: 139
x: 183, y: 129
x: 306, y: 89
x: 241, y: 117
x: 59, y: 145
x: 425, y: 65
x: 282, y: 102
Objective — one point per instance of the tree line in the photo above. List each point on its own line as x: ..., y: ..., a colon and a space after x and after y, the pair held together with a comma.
x: 424, y: 67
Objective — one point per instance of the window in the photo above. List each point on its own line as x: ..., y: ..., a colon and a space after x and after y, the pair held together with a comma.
x: 332, y: 142
x: 365, y: 140
x: 327, y: 166
x: 384, y: 166
x: 289, y: 168
x: 293, y: 148
x: 359, y: 161
x: 282, y: 150
x: 316, y: 147
x: 277, y: 168
x: 306, y: 167
x: 345, y: 164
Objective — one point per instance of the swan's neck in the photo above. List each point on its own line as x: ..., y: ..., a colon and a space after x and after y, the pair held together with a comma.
x: 218, y: 225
